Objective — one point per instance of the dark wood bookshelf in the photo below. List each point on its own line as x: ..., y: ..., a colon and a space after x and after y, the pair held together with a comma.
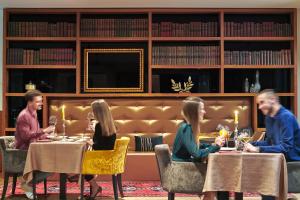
x: 162, y: 17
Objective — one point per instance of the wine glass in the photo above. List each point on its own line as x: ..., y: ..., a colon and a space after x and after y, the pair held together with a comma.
x: 90, y: 117
x: 229, y: 133
x: 53, y: 122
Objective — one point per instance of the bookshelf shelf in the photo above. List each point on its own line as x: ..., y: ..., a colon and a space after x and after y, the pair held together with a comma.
x: 265, y: 38
x: 218, y: 48
x: 185, y: 38
x: 259, y: 66
x: 186, y: 66
x: 114, y: 39
x: 41, y: 39
x: 41, y: 66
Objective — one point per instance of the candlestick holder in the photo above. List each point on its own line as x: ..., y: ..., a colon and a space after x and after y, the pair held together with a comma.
x: 64, y: 129
x: 236, y: 132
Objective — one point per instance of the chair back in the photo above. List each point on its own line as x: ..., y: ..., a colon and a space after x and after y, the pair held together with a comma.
x: 106, y: 161
x: 258, y: 136
x: 13, y: 159
x: 6, y: 142
x: 163, y: 158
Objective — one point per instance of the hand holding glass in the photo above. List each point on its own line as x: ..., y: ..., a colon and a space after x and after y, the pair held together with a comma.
x: 52, y: 122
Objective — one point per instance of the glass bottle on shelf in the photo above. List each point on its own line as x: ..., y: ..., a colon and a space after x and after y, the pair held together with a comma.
x: 246, y: 85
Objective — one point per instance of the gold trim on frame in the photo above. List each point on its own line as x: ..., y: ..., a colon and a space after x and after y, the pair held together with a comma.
x: 117, y: 50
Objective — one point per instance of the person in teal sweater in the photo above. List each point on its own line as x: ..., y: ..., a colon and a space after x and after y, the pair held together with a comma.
x: 186, y: 146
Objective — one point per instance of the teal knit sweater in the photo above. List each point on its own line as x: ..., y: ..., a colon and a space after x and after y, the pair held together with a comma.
x: 185, y: 147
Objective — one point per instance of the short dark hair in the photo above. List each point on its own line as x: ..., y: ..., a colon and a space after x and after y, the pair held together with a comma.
x: 269, y: 93
x: 30, y: 94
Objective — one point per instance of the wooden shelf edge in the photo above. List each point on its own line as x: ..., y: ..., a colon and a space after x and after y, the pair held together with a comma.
x: 114, y: 39
x: 254, y: 94
x: 262, y: 38
x: 29, y: 38
x: 185, y: 66
x: 259, y: 66
x: 186, y: 38
x: 147, y: 94
x: 9, y: 129
x: 41, y: 66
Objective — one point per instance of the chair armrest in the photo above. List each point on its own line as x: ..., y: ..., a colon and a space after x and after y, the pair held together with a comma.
x: 186, y: 177
x: 14, y: 160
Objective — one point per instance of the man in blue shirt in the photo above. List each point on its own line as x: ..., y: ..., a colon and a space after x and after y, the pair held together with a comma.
x: 282, y: 130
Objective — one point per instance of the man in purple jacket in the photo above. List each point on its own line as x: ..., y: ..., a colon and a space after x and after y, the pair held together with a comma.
x: 28, y: 130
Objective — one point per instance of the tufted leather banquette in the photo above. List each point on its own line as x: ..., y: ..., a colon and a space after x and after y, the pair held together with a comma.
x: 151, y: 116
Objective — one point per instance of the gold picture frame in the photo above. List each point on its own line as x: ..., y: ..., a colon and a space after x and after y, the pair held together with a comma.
x: 139, y: 54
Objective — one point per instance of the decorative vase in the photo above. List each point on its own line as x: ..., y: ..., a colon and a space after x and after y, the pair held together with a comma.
x: 257, y: 84
x: 246, y: 85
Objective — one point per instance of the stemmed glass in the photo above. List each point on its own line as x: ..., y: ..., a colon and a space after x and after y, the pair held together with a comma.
x: 227, y: 138
x: 53, y: 122
x: 90, y: 117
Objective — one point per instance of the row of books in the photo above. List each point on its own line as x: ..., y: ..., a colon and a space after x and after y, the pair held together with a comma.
x: 114, y: 27
x: 186, y: 55
x: 55, y: 56
x: 264, y: 57
x: 41, y: 29
x: 192, y: 29
x: 250, y: 29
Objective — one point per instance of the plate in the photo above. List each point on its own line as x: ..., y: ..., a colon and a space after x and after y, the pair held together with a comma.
x: 73, y: 137
x: 228, y: 149
x: 44, y: 140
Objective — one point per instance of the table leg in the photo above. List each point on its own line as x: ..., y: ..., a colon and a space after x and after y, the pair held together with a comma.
x: 62, y: 186
x: 238, y: 196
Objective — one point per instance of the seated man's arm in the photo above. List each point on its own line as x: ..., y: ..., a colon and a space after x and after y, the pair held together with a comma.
x: 286, y: 141
x: 262, y: 143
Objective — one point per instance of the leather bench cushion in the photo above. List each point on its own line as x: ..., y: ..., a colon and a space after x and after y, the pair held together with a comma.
x: 151, y: 115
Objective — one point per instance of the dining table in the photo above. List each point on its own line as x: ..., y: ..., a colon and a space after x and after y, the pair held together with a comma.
x: 63, y: 157
x: 240, y: 172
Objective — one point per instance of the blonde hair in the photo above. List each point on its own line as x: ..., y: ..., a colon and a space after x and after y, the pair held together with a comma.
x: 190, y: 112
x: 103, y: 116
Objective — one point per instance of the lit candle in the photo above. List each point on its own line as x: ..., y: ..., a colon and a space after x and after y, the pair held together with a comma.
x: 63, y: 112
x: 236, y: 117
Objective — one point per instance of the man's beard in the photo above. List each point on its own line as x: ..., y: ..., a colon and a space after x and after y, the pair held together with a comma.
x: 270, y: 110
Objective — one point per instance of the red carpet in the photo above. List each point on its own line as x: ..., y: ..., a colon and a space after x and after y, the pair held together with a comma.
x: 131, y: 189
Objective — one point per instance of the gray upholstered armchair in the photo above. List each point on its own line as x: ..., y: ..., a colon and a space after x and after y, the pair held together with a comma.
x: 179, y: 177
x: 13, y: 162
x: 293, y: 169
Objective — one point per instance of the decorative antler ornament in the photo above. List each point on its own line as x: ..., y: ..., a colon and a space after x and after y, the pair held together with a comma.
x: 187, y: 85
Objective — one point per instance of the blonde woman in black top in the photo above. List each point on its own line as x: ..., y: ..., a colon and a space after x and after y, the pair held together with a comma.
x: 104, y: 137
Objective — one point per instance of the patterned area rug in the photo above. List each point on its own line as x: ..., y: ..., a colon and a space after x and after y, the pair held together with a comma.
x: 131, y: 189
